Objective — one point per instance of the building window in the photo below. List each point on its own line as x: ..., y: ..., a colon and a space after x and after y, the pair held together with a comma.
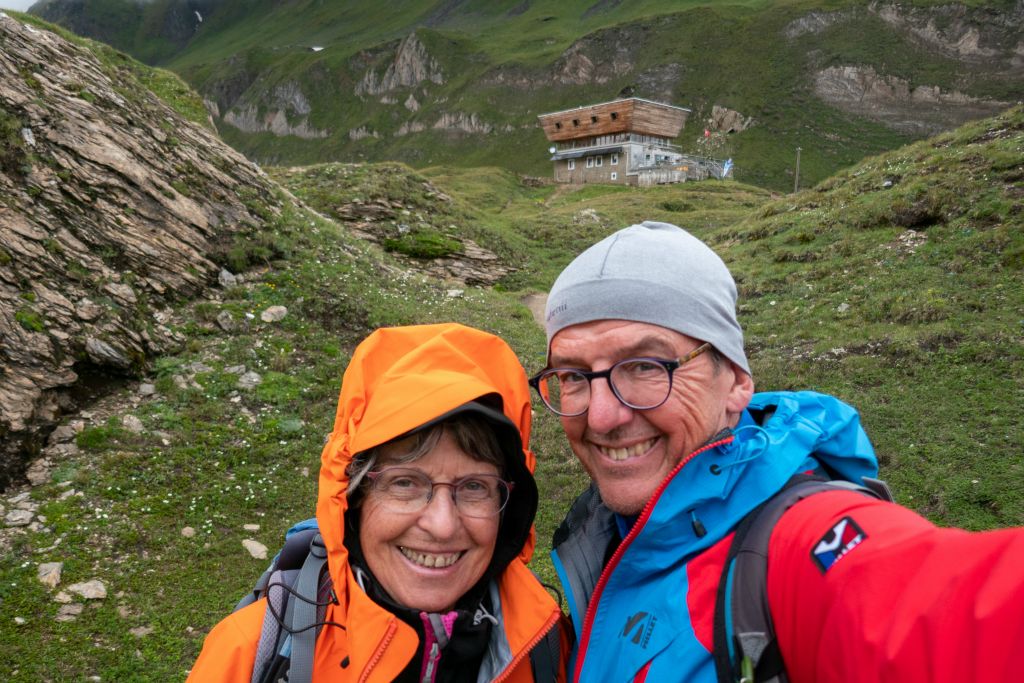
x: 558, y: 125
x: 615, y: 160
x: 593, y: 119
x: 572, y: 164
x: 615, y: 176
x: 590, y: 162
x: 599, y: 161
x: 576, y: 122
x: 615, y: 116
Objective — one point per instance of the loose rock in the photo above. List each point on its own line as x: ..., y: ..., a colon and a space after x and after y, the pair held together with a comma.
x: 255, y: 548
x: 90, y: 590
x: 69, y: 612
x: 226, y: 278
x: 18, y: 518
x: 249, y: 380
x: 49, y: 573
x: 274, y: 314
x: 226, y: 321
x: 133, y: 424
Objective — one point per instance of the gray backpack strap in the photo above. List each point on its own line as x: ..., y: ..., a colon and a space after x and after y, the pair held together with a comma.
x: 271, y: 633
x: 304, y: 618
x: 745, y: 648
x: 258, y: 590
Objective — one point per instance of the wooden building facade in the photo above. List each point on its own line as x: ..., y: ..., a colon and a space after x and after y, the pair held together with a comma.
x: 626, y: 142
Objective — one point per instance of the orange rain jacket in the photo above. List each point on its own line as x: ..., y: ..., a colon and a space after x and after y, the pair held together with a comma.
x: 398, y: 379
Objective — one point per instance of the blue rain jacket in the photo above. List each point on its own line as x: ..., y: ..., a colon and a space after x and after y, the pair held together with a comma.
x: 640, y: 626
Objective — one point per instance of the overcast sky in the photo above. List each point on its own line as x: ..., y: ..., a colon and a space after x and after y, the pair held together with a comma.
x: 20, y: 5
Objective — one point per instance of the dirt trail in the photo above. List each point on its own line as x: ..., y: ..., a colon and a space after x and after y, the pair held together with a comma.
x: 536, y: 304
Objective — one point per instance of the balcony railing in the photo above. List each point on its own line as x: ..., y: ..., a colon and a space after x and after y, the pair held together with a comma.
x: 616, y: 139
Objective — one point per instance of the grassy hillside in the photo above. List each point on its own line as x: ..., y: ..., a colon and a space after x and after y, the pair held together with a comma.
x: 503, y: 62
x: 895, y: 285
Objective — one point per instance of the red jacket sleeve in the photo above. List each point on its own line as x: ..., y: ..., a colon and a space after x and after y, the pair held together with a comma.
x: 862, y: 590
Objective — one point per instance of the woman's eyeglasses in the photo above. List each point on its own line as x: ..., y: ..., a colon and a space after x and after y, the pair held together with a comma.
x: 406, y: 490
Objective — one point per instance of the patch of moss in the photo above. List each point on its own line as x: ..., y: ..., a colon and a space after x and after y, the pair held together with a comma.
x: 423, y: 244
x: 30, y: 320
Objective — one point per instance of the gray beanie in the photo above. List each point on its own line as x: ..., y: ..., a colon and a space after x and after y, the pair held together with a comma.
x: 652, y: 273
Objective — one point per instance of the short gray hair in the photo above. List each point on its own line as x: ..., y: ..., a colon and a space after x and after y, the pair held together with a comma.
x: 473, y: 434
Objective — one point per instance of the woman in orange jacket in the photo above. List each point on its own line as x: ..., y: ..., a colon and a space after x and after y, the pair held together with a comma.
x: 426, y: 506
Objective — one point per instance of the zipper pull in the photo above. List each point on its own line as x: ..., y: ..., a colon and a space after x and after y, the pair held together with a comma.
x: 432, y: 657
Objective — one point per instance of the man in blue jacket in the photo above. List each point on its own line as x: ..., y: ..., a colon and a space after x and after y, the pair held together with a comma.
x: 647, y: 371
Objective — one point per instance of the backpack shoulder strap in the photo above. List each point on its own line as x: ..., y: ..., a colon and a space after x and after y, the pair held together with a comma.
x: 743, y: 630
x: 297, y: 588
x: 307, y: 615
x: 545, y: 657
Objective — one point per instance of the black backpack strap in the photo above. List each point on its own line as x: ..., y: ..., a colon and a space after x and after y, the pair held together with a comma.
x: 545, y: 657
x: 745, y: 647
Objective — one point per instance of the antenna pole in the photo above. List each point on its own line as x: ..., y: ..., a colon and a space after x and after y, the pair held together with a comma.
x: 796, y: 176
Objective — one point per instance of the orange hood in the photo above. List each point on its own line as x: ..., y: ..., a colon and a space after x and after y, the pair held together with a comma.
x: 400, y: 378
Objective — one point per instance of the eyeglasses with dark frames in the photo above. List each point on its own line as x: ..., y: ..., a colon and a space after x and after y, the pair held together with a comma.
x: 640, y: 383
x: 405, y: 490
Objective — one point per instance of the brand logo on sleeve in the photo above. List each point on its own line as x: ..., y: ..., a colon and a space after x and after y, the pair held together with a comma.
x: 840, y: 540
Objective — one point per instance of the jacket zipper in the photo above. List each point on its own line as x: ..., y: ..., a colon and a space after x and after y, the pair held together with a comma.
x: 432, y: 657
x: 588, y: 620
x: 550, y: 624
x: 388, y: 636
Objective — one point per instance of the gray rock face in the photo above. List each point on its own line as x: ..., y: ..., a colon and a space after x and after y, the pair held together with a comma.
x: 974, y: 34
x: 729, y: 120
x: 921, y: 110
x: 412, y: 65
x: 110, y: 206
x: 283, y: 113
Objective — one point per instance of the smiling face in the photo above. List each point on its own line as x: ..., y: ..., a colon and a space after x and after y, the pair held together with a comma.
x: 628, y: 452
x: 427, y: 560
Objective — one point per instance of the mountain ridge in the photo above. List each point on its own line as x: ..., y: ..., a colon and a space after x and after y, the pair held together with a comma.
x: 460, y: 83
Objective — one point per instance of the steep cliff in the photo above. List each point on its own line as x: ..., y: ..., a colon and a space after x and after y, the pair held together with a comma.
x: 112, y: 205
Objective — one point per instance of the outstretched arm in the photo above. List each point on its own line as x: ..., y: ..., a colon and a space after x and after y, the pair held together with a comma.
x: 862, y: 590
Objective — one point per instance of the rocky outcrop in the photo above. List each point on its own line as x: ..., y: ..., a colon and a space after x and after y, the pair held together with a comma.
x: 729, y: 120
x: 362, y: 132
x: 250, y: 120
x: 410, y: 127
x: 412, y: 65
x: 111, y: 207
x: 284, y: 114
x: 596, y: 59
x: 921, y: 110
x: 978, y: 34
x: 814, y: 22
x: 460, y: 122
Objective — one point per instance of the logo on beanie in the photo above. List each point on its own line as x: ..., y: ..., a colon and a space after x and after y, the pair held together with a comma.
x: 556, y: 310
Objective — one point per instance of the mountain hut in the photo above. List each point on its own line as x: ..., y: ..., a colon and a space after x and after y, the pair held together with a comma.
x: 625, y: 142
